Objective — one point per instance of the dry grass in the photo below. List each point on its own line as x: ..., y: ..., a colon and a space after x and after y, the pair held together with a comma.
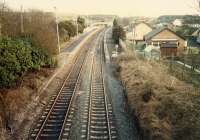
x: 14, y: 102
x: 166, y: 107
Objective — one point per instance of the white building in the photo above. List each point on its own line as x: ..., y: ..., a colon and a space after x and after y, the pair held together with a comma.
x: 178, y: 22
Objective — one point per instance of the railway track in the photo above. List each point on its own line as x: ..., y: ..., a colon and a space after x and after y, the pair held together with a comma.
x: 57, y: 119
x: 101, y: 125
x: 51, y: 123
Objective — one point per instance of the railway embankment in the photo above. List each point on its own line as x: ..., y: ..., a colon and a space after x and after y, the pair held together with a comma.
x: 166, y: 108
x: 23, y: 103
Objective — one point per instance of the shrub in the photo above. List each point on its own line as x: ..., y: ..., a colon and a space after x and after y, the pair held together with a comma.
x: 17, y: 56
x: 40, y: 57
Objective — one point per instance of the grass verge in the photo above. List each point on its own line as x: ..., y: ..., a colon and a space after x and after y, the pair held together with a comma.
x: 166, y: 107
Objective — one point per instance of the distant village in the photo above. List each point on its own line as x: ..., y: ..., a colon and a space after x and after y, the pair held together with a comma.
x: 165, y: 36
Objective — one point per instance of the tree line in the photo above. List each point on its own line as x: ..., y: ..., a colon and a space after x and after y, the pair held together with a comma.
x: 68, y: 28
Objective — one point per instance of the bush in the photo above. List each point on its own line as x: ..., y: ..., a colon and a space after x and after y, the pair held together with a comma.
x: 67, y: 29
x: 17, y: 56
x: 40, y: 57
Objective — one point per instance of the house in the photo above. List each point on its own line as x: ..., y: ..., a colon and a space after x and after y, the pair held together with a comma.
x: 196, y: 36
x: 196, y: 33
x: 138, y: 32
x: 194, y: 25
x: 170, y: 43
x: 193, y: 42
x: 178, y: 22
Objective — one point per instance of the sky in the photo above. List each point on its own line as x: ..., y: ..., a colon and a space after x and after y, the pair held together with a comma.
x: 152, y: 8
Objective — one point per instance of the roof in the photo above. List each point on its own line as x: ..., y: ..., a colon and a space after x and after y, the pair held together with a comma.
x: 145, y: 24
x: 159, y: 30
x: 196, y: 33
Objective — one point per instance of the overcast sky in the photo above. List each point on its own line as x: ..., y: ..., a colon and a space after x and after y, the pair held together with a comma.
x: 119, y: 7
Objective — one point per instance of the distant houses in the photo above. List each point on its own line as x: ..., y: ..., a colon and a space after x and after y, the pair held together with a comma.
x: 161, y: 39
x: 168, y: 36
x: 180, y: 22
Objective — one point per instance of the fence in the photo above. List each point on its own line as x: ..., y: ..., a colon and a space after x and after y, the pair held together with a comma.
x: 185, y: 68
x: 122, y: 44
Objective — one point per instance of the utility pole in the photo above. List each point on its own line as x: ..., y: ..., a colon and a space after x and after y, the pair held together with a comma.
x: 2, y: 13
x: 4, y: 3
x: 77, y: 26
x: 22, y: 20
x: 57, y: 30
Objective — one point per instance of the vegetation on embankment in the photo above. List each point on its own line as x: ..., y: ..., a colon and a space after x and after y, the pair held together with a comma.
x: 166, y: 107
x: 23, y: 69
x: 19, y: 56
x: 28, y: 46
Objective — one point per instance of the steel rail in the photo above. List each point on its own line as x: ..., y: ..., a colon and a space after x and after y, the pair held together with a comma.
x: 71, y: 102
x: 72, y: 71
x: 101, y: 78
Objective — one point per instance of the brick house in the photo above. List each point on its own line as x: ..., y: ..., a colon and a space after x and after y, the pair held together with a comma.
x: 170, y: 43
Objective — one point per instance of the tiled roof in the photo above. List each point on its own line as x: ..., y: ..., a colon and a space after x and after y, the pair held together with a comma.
x: 157, y: 31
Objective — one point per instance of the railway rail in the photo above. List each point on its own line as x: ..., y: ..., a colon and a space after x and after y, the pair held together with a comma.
x: 50, y: 124
x: 101, y: 124
x: 57, y: 118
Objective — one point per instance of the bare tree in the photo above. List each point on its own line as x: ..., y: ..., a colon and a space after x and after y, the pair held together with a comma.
x: 37, y: 25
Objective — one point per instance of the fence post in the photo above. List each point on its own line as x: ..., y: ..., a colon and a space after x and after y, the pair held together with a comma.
x: 183, y: 67
x: 171, y: 63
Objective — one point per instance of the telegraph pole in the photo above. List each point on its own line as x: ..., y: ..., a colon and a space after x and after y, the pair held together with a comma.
x: 4, y: 3
x: 57, y: 30
x: 77, y: 26
x: 22, y: 20
x: 1, y: 14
